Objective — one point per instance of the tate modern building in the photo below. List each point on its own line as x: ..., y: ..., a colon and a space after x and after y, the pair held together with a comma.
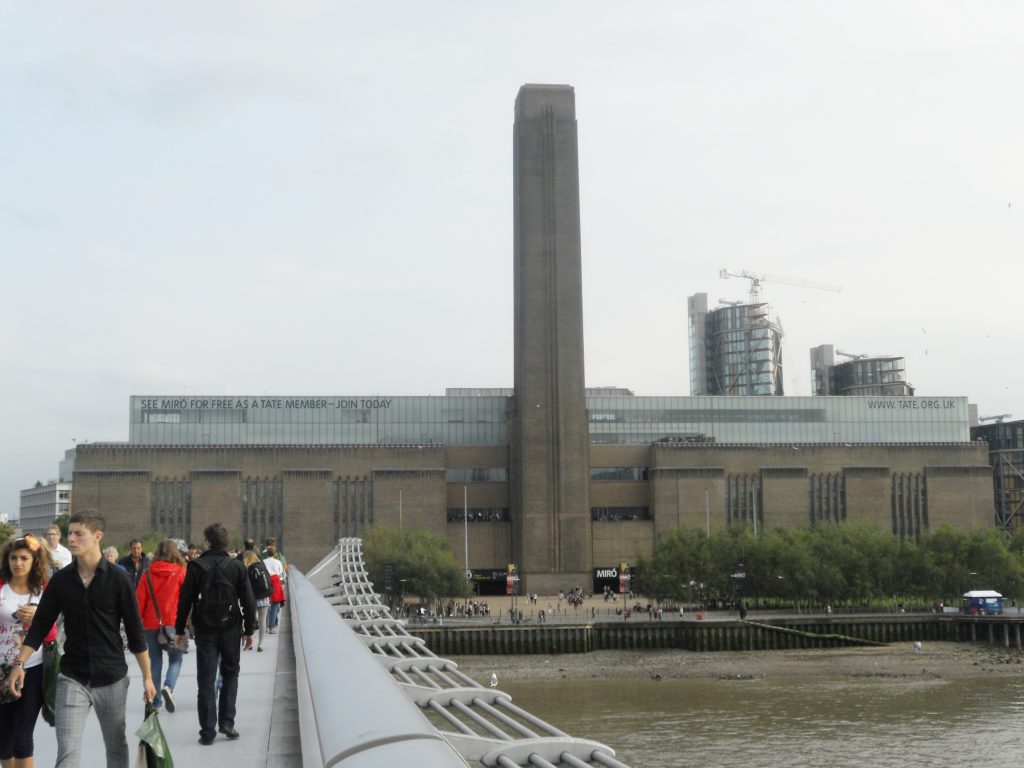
x: 561, y: 480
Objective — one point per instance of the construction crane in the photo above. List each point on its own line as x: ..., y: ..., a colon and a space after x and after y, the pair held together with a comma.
x: 852, y: 357
x: 756, y: 278
x: 998, y: 419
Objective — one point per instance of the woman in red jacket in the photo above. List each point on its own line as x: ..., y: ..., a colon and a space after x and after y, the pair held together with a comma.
x: 157, y: 594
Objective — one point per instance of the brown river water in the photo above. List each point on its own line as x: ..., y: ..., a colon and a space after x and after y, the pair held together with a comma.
x: 790, y: 722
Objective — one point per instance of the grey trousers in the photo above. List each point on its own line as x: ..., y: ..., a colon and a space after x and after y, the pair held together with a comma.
x: 74, y: 701
x: 261, y: 619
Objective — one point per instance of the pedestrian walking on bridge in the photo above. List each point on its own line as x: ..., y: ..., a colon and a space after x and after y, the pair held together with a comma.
x: 95, y: 598
x: 217, y: 594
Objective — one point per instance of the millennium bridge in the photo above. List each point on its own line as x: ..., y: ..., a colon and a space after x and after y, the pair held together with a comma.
x: 344, y: 684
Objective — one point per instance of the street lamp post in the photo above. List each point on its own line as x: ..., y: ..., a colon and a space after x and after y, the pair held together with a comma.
x: 465, y: 533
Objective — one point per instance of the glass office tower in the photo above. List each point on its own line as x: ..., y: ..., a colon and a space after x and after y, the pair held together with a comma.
x: 734, y: 350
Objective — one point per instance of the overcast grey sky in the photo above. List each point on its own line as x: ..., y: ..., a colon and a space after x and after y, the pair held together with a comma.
x: 315, y: 197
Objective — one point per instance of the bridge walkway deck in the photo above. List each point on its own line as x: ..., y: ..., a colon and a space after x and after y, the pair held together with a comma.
x: 266, y: 718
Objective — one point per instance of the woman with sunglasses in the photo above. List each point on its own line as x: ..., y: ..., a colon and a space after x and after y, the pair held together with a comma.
x: 24, y: 571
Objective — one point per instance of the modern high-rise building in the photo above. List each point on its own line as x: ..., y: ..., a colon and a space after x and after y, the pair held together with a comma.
x: 860, y: 375
x: 42, y: 504
x: 735, y: 349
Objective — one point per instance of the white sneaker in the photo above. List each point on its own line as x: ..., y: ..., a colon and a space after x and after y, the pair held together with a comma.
x: 168, y: 696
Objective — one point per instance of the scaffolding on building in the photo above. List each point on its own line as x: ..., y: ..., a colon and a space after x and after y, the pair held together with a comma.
x: 1006, y: 455
x: 744, y: 351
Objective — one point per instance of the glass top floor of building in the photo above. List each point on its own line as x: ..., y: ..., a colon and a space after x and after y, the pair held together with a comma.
x: 483, y: 420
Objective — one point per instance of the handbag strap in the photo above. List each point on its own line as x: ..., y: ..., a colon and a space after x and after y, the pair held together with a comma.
x: 152, y: 596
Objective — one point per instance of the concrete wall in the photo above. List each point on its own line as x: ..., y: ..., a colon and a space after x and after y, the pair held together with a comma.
x: 308, y: 506
x: 423, y: 493
x: 622, y: 542
x: 490, y: 544
x: 121, y: 496
x: 216, y: 498
x: 116, y: 479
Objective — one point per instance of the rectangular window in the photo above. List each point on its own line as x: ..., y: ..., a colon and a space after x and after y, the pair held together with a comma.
x: 618, y: 474
x: 161, y: 417
x: 263, y: 508
x: 477, y: 475
x: 479, y: 514
x: 619, y: 514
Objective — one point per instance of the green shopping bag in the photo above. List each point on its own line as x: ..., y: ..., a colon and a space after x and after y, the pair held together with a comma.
x: 153, y: 749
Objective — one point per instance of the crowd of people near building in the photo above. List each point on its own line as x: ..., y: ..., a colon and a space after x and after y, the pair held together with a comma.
x: 68, y: 614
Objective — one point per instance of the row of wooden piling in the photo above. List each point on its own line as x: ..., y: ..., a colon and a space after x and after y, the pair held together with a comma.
x: 777, y: 634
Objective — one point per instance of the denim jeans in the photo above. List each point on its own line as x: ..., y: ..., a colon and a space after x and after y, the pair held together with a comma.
x: 272, y: 618
x: 228, y: 646
x: 156, y: 665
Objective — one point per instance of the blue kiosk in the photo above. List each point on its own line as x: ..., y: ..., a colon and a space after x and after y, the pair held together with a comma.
x: 982, y: 602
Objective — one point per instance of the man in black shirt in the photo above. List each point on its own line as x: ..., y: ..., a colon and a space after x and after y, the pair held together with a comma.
x: 94, y: 597
x: 135, y: 562
x: 217, y: 593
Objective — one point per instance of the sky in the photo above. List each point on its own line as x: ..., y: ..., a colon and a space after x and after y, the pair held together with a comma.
x: 315, y: 198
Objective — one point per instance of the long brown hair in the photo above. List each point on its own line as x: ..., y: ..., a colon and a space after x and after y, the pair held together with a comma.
x: 167, y: 552
x: 40, y: 571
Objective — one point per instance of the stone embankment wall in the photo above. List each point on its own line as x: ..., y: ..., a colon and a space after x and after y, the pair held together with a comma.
x: 780, y: 634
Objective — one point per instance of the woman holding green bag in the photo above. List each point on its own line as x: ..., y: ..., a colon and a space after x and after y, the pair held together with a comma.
x: 24, y: 571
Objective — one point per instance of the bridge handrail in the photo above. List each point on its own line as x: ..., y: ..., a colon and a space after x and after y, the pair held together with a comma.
x: 352, y: 714
x: 482, y: 724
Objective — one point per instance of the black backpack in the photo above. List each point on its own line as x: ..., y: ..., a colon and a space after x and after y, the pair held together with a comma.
x: 259, y: 580
x: 218, y: 599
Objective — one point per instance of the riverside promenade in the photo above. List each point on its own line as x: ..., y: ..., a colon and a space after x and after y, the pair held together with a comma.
x: 266, y: 718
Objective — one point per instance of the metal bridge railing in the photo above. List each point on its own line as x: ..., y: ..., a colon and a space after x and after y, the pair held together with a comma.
x: 350, y: 713
x: 482, y: 724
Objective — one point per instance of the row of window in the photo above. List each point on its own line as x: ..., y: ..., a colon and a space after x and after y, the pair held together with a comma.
x: 479, y: 514
x: 171, y: 508
x: 302, y: 433
x: 709, y: 416
x: 263, y: 509
x: 385, y: 410
x: 619, y: 514
x: 263, y: 505
x: 618, y: 474
x: 477, y: 475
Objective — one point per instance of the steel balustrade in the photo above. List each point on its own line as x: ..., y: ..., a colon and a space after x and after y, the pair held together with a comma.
x: 350, y: 713
x: 480, y: 724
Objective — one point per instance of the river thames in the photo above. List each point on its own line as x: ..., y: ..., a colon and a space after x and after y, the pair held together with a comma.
x: 787, y: 722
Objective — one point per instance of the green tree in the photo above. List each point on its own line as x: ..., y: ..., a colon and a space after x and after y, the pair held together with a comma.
x: 423, y: 560
x: 6, y: 532
x: 946, y: 561
x: 678, y: 567
x: 62, y: 523
x: 991, y: 560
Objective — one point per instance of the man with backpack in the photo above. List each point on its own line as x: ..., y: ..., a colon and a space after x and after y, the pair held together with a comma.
x: 217, y: 593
